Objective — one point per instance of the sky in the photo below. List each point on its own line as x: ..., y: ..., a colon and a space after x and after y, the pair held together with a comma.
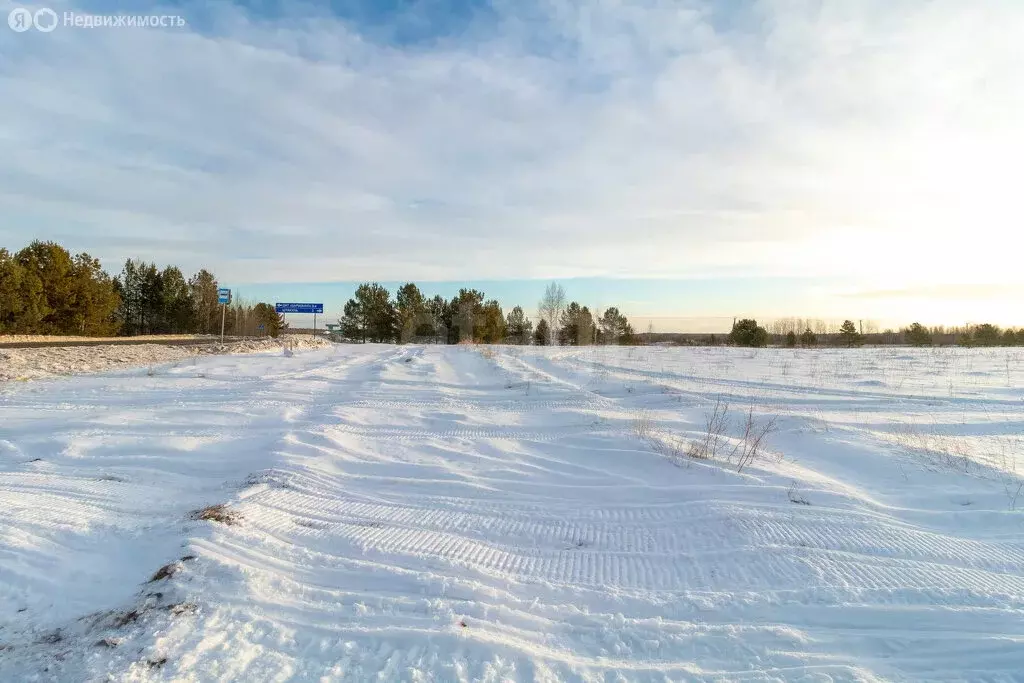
x: 679, y: 159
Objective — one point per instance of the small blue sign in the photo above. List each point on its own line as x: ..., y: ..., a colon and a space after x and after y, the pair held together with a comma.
x: 223, y: 296
x: 299, y: 308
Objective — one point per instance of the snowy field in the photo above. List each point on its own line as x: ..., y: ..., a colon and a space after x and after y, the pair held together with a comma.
x: 517, y: 514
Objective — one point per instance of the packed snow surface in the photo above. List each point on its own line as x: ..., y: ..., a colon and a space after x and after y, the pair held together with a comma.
x: 517, y: 514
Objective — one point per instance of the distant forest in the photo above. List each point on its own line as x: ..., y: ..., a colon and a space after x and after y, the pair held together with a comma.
x: 44, y: 289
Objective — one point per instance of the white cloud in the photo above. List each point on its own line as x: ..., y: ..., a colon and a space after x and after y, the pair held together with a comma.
x: 606, y: 138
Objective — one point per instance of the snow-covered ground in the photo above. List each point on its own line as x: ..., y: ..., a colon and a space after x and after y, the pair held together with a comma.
x: 34, y: 363
x: 492, y: 514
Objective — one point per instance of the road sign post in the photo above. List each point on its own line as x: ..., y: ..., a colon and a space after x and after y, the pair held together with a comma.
x: 223, y: 298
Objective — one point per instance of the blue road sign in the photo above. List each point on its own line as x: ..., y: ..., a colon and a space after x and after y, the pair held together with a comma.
x: 223, y: 296
x: 299, y: 308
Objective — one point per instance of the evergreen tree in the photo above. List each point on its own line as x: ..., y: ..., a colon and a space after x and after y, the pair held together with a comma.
x: 849, y: 336
x: 92, y: 309
x: 614, y: 328
x: 47, y: 266
x: 352, y: 324
x: 152, y: 295
x: 370, y: 315
x: 986, y: 335
x: 746, y: 332
x: 808, y: 338
x: 576, y: 326
x: 491, y: 329
x: 791, y: 339
x: 176, y: 302
x: 61, y: 294
x: 266, y: 315
x: 542, y: 334
x: 917, y: 335
x: 413, y: 320
x: 519, y: 327
x: 466, y: 309
x: 205, y: 309
x: 440, y: 313
x: 12, y: 302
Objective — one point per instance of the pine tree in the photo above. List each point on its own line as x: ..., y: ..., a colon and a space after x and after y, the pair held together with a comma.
x: 849, y: 336
x: 92, y: 310
x: 917, y: 335
x: 440, y: 313
x: 370, y: 315
x: 542, y: 334
x: 614, y: 328
x: 466, y: 309
x: 791, y: 339
x: 176, y: 304
x: 11, y: 301
x: 746, y: 332
x: 352, y: 324
x: 491, y: 329
x: 266, y: 315
x: 576, y: 326
x: 61, y: 294
x: 413, y: 320
x: 205, y: 309
x: 519, y: 326
x: 808, y: 338
x: 986, y: 335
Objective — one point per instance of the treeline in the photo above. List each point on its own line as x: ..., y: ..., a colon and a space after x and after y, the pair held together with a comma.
x: 747, y: 332
x: 372, y: 315
x: 984, y: 334
x: 46, y: 290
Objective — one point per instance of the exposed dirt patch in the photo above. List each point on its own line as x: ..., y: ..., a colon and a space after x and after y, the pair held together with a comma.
x: 217, y: 513
x: 166, y: 571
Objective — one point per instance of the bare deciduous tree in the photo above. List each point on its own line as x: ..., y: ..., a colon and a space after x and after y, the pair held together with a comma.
x: 551, y: 308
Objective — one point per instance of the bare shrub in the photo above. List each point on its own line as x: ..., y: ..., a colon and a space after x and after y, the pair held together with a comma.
x: 642, y: 424
x: 749, y: 448
x: 672, y: 447
x: 711, y: 442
